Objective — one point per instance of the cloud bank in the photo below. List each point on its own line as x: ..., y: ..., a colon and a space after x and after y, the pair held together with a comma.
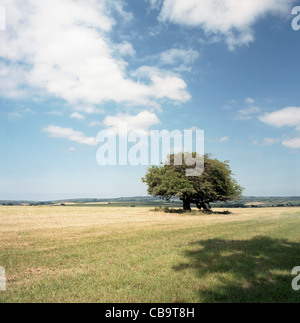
x: 70, y: 134
x: 63, y: 48
x: 232, y: 19
x: 287, y: 117
x: 140, y: 122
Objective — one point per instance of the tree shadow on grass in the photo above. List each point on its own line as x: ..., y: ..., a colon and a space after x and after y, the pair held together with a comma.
x: 256, y: 270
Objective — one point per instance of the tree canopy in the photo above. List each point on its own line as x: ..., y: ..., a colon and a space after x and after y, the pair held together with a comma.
x: 216, y: 184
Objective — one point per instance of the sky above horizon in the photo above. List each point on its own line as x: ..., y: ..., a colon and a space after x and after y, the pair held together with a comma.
x: 71, y: 68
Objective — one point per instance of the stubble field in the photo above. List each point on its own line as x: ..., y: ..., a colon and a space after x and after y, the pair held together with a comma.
x: 90, y: 254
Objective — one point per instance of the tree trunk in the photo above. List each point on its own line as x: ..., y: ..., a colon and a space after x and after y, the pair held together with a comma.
x: 186, y: 204
x: 204, y: 206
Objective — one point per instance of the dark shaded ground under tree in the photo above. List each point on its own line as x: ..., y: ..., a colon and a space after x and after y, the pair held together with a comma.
x: 256, y: 268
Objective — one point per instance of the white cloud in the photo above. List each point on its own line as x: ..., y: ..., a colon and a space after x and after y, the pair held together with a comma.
x: 69, y: 150
x: 124, y: 49
x: 234, y: 19
x: 155, y: 4
x: 70, y: 134
x: 11, y: 78
x: 119, y: 7
x: 179, y: 60
x: 14, y: 115
x: 270, y: 141
x: 89, y: 109
x: 289, y: 116
x: 94, y: 123
x: 224, y: 139
x: 65, y: 51
x: 164, y: 83
x: 292, y: 143
x: 176, y: 56
x: 250, y: 101
x: 226, y: 107
x: 77, y: 116
x: 266, y: 142
x: 142, y: 121
x: 248, y: 113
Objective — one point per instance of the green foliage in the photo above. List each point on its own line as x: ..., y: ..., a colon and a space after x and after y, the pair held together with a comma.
x: 216, y: 184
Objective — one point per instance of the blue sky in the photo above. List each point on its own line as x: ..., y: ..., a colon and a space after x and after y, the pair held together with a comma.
x: 71, y: 68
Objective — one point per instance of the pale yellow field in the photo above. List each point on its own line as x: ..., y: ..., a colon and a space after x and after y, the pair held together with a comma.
x: 67, y: 223
x: 16, y: 219
x: 49, y: 252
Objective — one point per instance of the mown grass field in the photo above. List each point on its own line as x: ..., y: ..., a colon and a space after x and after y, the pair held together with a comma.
x: 58, y: 254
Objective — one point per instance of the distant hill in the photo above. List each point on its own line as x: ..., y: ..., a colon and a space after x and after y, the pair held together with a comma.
x: 263, y: 201
x: 247, y: 201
